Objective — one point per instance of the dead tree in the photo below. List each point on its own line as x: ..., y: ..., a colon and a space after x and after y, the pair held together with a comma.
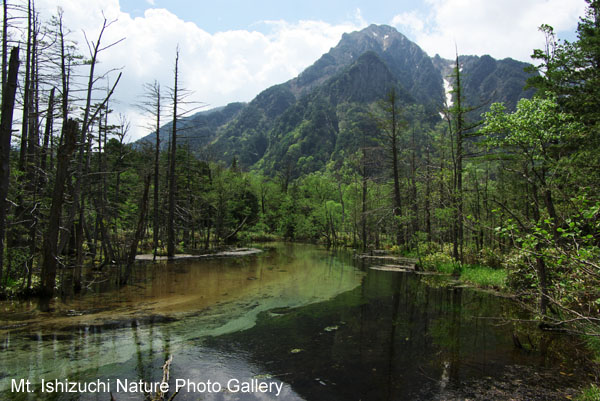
x: 49, y: 249
x: 8, y: 106
x: 139, y: 232
x: 172, y: 165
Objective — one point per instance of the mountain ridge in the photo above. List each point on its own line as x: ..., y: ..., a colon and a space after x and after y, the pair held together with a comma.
x: 297, y: 121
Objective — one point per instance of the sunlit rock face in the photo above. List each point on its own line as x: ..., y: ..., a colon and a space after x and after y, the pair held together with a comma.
x: 304, y: 121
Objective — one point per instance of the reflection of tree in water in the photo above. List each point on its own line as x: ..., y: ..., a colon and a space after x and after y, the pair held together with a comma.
x: 397, y: 339
x: 393, y: 323
x: 395, y: 336
x: 456, y: 305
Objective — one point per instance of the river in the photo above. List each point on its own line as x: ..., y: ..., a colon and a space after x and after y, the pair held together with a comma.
x: 297, y: 321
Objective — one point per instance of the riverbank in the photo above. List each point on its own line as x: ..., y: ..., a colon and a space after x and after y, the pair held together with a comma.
x: 473, y: 274
x: 234, y: 252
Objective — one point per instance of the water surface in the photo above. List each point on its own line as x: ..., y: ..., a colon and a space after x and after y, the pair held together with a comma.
x: 299, y: 316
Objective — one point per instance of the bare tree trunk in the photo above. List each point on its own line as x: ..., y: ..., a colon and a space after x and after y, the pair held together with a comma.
x: 64, y: 72
x: 458, y: 172
x: 413, y: 187
x: 47, y: 132
x: 364, y: 201
x: 26, y: 92
x: 156, y: 174
x: 33, y: 183
x: 8, y: 105
x: 343, y: 223
x: 88, y: 118
x: 172, y: 181
x: 543, y: 277
x: 428, y: 195
x: 395, y: 145
x: 79, y: 227
x: 50, y: 254
x: 139, y: 232
x: 14, y: 238
x: 4, y: 42
x: 73, y: 211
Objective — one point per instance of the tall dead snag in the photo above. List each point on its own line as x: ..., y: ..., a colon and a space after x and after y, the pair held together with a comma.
x: 156, y: 173
x: 33, y: 183
x: 8, y: 106
x: 151, y: 105
x: 459, y: 116
x: 459, y: 128
x: 83, y: 154
x: 26, y: 91
x: 50, y: 244
x: 172, y: 182
x: 89, y: 115
x: 101, y: 201
x: 4, y: 41
x: 47, y: 133
x: 363, y: 215
x: 390, y: 124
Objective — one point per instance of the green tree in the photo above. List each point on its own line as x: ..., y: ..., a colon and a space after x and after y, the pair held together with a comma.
x: 572, y: 70
x: 532, y: 137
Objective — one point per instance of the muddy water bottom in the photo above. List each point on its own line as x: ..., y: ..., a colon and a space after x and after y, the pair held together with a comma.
x: 297, y: 317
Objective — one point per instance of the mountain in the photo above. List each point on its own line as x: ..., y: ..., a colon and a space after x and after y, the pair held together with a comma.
x: 199, y: 129
x: 410, y: 65
x: 306, y: 122
x: 486, y: 80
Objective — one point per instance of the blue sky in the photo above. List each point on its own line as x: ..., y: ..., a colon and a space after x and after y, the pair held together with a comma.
x: 216, y: 16
x: 232, y: 50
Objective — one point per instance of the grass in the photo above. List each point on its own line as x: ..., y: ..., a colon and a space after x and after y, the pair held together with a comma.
x: 483, y: 276
x: 447, y: 267
x: 593, y: 345
x: 592, y: 393
x: 480, y: 276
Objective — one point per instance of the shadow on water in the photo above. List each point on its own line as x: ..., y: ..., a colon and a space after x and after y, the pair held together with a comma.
x: 405, y: 337
x: 298, y: 316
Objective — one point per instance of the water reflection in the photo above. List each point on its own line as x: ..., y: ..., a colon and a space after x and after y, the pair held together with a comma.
x: 297, y: 316
x: 170, y: 310
x: 400, y: 339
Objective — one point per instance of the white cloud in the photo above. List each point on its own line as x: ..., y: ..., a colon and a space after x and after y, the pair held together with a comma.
x: 507, y: 28
x: 236, y: 65
x: 410, y: 21
x: 219, y: 68
x: 359, y: 17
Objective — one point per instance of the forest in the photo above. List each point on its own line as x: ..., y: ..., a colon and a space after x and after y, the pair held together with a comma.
x: 513, y: 194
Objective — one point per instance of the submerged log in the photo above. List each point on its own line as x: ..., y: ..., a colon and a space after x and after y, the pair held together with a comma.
x: 393, y: 268
x: 230, y: 253
x: 394, y: 260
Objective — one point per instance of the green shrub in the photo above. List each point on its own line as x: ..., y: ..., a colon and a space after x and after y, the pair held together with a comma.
x: 521, y: 273
x: 592, y: 393
x: 440, y: 262
x: 490, y: 257
x: 395, y: 249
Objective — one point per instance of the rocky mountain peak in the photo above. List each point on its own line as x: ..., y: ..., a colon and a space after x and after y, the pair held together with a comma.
x: 307, y: 121
x: 384, y: 40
